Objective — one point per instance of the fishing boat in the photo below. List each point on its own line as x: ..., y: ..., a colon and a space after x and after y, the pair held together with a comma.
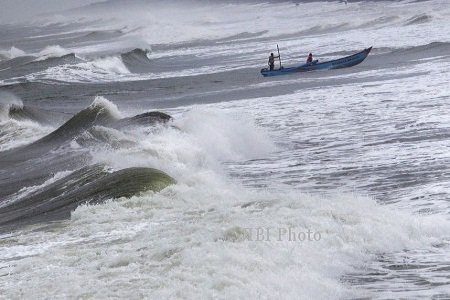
x: 344, y: 62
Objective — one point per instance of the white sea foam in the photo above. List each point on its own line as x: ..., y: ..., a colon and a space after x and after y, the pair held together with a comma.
x: 103, y: 103
x: 193, y: 145
x: 227, y: 135
x: 8, y: 100
x: 103, y: 69
x: 207, y: 234
x: 52, y: 51
x: 11, y: 53
x: 198, y: 239
x: 112, y: 64
x: 15, y: 133
x: 18, y: 133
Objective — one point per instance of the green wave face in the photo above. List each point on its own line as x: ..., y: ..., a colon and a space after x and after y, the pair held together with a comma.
x: 95, y: 114
x: 91, y: 184
x: 129, y: 182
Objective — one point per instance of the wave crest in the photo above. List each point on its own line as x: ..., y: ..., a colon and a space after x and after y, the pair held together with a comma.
x: 137, y: 60
x: 419, y: 19
x: 13, y: 52
x: 53, y: 51
x: 100, y: 112
x: 8, y: 102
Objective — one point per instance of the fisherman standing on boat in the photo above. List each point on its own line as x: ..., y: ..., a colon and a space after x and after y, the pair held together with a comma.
x: 309, y: 59
x: 271, y: 62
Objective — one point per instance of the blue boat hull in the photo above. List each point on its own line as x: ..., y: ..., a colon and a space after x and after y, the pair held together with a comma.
x: 344, y: 62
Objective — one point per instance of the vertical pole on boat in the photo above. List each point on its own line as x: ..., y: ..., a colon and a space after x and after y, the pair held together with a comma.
x: 279, y: 56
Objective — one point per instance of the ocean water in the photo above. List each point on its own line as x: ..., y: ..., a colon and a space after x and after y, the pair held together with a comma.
x: 320, y: 185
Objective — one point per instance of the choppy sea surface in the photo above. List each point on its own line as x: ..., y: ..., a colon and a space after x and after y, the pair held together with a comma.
x: 320, y: 185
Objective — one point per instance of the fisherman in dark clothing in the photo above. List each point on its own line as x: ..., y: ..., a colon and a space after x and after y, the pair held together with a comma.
x: 271, y: 62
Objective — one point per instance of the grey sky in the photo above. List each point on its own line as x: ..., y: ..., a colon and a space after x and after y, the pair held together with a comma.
x: 12, y: 11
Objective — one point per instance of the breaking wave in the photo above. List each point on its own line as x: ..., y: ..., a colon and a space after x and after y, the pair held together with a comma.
x: 419, y: 19
x: 67, y: 149
x: 13, y: 52
x: 8, y: 103
x: 137, y: 60
x: 103, y: 69
x: 53, y: 51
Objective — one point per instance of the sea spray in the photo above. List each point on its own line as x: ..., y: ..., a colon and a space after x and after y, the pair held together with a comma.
x: 52, y: 51
x: 7, y: 101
